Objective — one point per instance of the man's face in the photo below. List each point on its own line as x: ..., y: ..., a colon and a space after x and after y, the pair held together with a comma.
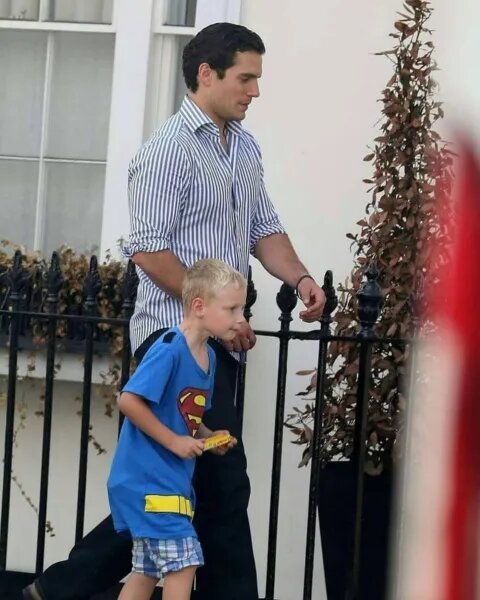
x: 230, y: 97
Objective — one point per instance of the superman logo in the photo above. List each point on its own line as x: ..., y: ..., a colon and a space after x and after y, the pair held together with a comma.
x: 191, y: 403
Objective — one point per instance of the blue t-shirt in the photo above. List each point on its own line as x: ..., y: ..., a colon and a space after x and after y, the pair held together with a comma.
x: 177, y: 390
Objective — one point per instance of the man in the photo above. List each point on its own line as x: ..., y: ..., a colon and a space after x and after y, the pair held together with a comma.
x: 196, y: 191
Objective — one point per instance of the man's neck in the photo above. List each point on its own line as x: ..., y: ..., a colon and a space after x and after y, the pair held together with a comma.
x: 202, y: 105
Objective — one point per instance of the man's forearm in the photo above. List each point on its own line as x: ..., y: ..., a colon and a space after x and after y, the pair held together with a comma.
x: 204, y: 431
x: 279, y: 258
x: 164, y: 269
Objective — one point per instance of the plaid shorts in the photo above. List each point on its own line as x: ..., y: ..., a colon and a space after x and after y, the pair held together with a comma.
x: 155, y: 558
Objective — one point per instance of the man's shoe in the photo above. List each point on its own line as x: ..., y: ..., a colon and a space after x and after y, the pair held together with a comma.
x: 31, y: 592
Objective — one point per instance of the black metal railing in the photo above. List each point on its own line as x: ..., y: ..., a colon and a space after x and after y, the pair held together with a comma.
x: 19, y: 315
x: 369, y: 304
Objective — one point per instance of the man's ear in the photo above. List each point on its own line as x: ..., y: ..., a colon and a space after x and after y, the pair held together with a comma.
x: 205, y: 75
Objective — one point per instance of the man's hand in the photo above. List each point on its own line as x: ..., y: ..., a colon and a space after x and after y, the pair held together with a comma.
x: 313, y: 297
x: 243, y: 341
x: 186, y: 446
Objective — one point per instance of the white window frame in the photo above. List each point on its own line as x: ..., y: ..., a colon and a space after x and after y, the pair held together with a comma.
x: 51, y: 27
x: 134, y: 24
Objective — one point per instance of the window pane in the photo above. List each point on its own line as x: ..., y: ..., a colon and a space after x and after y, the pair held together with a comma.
x: 166, y: 87
x: 18, y: 198
x: 81, y: 11
x: 19, y: 9
x: 80, y: 95
x: 74, y: 204
x: 4, y: 9
x: 22, y: 74
x: 181, y: 12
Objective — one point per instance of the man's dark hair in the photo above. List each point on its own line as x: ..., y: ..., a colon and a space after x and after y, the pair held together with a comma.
x: 216, y: 45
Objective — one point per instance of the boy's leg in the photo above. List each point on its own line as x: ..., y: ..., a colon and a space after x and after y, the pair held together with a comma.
x: 138, y: 587
x: 223, y: 491
x: 98, y: 561
x: 176, y: 560
x: 178, y: 584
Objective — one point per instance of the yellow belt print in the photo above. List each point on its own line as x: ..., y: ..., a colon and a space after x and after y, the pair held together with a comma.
x: 168, y: 504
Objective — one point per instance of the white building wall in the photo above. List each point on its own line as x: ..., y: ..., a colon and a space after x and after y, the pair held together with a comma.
x: 314, y: 120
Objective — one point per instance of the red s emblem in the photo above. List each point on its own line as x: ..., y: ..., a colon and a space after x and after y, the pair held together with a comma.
x: 191, y: 404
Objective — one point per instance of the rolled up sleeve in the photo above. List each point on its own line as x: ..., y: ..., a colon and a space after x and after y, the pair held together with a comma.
x: 265, y: 219
x: 158, y: 182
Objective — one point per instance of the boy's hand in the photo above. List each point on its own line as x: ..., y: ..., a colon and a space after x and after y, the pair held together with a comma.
x: 186, y: 446
x: 221, y: 450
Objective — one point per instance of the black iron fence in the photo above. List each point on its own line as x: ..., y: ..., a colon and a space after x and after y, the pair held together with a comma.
x: 29, y: 311
x: 24, y: 312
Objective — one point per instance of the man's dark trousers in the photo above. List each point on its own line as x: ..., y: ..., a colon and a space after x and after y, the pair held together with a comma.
x: 222, y: 487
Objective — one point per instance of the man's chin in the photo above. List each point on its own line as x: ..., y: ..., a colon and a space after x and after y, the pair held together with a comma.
x: 239, y: 116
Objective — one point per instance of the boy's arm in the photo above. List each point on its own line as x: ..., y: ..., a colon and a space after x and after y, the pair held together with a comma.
x: 138, y: 412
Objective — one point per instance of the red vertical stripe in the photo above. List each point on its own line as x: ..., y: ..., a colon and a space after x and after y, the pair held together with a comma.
x: 461, y: 312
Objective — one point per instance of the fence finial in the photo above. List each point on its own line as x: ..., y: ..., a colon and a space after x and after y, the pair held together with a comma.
x: 92, y: 284
x: 17, y: 277
x: 251, y: 296
x: 54, y: 280
x: 129, y: 288
x: 369, y: 301
x: 286, y: 302
x: 331, y: 300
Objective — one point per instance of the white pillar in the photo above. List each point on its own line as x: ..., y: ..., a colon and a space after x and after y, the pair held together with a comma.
x: 133, y: 37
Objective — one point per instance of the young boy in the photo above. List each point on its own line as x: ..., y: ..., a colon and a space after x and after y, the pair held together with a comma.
x: 150, y: 483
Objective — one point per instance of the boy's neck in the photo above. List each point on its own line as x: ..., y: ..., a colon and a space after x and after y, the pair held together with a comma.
x: 195, y: 335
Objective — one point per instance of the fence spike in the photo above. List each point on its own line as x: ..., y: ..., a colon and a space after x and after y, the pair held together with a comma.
x: 370, y: 300
x: 286, y: 302
x: 129, y: 288
x: 54, y: 280
x: 17, y: 277
x: 251, y: 296
x: 92, y: 284
x: 331, y: 299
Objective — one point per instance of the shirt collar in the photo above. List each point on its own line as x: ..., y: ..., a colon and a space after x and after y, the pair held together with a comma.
x: 234, y: 127
x: 195, y: 118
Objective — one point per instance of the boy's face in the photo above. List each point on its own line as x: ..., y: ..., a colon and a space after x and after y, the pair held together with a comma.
x: 223, y: 313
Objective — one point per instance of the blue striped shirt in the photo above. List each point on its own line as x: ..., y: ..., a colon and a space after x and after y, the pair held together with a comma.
x: 189, y: 195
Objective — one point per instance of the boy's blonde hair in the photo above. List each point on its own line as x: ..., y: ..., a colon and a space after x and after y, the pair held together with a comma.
x: 205, y: 278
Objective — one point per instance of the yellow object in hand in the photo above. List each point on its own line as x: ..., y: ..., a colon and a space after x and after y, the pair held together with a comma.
x: 219, y: 439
